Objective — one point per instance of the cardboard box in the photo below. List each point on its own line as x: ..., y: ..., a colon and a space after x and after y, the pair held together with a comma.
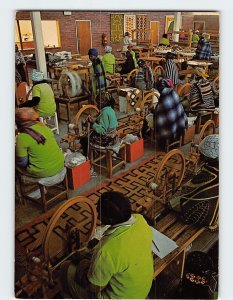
x: 188, y: 135
x: 78, y: 175
x: 135, y: 150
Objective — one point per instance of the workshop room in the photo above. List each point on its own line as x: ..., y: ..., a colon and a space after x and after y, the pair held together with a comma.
x: 116, y: 154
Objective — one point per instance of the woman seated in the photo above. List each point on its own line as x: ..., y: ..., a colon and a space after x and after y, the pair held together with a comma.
x: 144, y: 79
x: 130, y: 48
x: 43, y: 100
x: 170, y: 119
x: 104, y: 128
x: 128, y: 65
x: 201, y: 96
x: 204, y: 50
x: 109, y: 60
x: 126, y: 41
x: 171, y: 70
x: 37, y: 152
x: 164, y: 41
x: 197, y: 201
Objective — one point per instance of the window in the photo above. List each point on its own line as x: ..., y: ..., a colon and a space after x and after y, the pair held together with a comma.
x: 24, y: 34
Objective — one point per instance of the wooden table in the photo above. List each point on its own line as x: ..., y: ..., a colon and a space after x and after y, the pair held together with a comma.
x: 199, y: 63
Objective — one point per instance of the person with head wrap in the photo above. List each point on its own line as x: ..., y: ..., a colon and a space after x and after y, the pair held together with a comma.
x: 43, y: 100
x: 104, y: 132
x: 97, y: 74
x: 37, y: 152
x: 120, y: 260
x: 197, y: 202
x: 144, y: 79
x: 201, y: 95
x: 171, y: 70
x: 109, y: 60
x: 204, y: 50
x: 170, y: 119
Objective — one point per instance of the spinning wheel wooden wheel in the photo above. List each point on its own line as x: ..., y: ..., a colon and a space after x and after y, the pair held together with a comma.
x: 170, y: 174
x: 66, y: 234
x: 158, y: 72
x: 80, y: 122
x: 71, y: 226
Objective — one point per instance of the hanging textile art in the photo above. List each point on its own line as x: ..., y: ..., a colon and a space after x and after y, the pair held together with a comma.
x: 141, y: 24
x: 129, y: 23
x: 117, y: 27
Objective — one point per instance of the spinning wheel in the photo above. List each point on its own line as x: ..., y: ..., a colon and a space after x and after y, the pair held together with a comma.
x: 68, y: 231
x: 163, y: 185
x: 147, y: 102
x: 170, y: 174
x: 80, y: 126
x: 71, y: 226
x: 193, y: 163
x: 184, y: 90
x: 70, y: 84
x: 158, y: 72
x: 80, y: 121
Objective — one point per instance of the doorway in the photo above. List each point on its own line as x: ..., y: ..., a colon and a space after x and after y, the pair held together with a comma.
x: 154, y: 26
x: 83, y: 34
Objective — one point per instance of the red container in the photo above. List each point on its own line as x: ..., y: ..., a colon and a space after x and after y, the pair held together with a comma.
x: 78, y: 175
x: 135, y: 150
x: 188, y: 135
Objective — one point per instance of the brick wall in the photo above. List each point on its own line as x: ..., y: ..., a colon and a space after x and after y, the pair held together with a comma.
x: 100, y: 23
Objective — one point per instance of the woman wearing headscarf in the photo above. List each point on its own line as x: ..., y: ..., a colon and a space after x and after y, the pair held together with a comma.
x: 97, y: 73
x: 204, y: 50
x: 104, y: 128
x: 43, y: 100
x: 201, y: 93
x: 144, y: 79
x: 170, y: 119
x: 37, y: 152
x: 109, y: 60
x: 171, y: 70
x: 198, y: 199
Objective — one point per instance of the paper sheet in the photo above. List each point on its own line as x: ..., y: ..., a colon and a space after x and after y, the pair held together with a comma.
x: 161, y: 244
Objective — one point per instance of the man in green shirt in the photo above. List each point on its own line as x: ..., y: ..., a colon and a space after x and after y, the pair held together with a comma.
x: 37, y: 152
x: 122, y: 264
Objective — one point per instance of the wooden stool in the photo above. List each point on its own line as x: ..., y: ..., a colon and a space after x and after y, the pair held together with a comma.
x: 48, y: 191
x: 107, y: 159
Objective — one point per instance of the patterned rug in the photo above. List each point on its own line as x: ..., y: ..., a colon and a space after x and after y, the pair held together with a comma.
x: 30, y: 236
x: 117, y: 27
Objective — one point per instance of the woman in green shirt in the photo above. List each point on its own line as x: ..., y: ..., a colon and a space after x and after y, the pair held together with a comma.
x: 109, y: 60
x: 104, y: 132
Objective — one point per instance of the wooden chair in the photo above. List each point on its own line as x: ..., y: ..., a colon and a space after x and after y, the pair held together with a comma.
x: 21, y: 93
x: 129, y: 78
x: 106, y: 159
x: 43, y: 192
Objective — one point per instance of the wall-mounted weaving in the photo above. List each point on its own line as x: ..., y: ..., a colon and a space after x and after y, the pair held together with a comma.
x: 141, y: 24
x: 117, y: 27
x: 169, y: 23
x: 129, y: 23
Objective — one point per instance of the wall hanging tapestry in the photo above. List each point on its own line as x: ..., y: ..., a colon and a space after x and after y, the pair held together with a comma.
x: 117, y: 27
